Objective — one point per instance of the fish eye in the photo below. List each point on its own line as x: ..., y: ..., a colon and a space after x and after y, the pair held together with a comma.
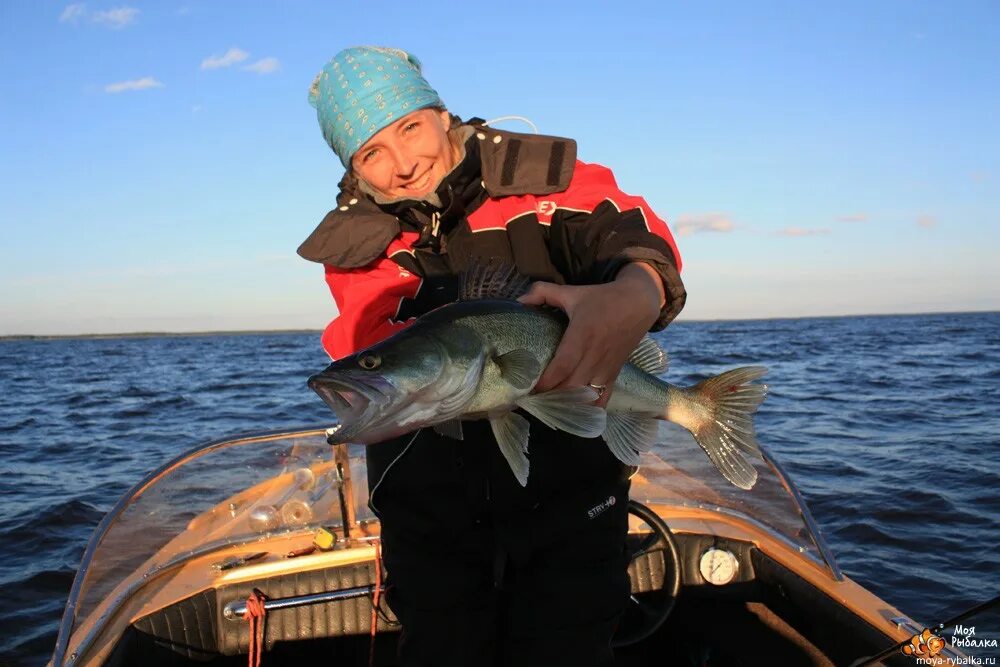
x: 370, y: 362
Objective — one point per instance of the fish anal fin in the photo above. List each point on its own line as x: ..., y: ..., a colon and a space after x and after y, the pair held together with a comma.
x: 627, y: 434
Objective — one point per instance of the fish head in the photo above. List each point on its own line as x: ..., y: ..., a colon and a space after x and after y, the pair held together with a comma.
x: 394, y: 386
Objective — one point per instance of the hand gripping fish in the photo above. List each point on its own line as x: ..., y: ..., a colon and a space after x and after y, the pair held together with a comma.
x: 479, y: 357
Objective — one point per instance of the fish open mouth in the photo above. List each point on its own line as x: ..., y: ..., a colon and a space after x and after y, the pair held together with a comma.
x: 356, y: 401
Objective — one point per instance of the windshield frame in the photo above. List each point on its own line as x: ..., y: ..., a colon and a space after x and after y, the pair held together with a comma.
x: 807, y: 518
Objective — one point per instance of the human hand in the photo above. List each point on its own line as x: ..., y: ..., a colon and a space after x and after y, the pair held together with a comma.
x: 606, y: 322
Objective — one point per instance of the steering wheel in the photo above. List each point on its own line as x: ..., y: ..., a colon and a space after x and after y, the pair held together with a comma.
x: 644, y: 617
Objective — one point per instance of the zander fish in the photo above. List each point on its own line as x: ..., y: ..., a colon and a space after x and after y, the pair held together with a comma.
x: 479, y: 357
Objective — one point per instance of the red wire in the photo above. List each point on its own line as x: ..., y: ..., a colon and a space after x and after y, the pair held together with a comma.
x: 255, y: 614
x: 376, y: 595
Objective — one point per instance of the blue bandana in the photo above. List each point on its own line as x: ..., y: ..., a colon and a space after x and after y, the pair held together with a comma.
x: 364, y: 89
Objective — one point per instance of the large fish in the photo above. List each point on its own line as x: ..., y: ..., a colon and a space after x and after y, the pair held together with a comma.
x: 479, y: 357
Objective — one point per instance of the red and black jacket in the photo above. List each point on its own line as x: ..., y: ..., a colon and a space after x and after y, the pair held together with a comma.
x: 515, y: 198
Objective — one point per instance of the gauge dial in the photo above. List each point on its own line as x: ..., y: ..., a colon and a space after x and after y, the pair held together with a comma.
x: 718, y: 566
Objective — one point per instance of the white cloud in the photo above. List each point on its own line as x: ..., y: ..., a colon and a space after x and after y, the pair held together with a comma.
x: 926, y: 221
x: 231, y: 57
x: 134, y: 84
x: 264, y: 66
x: 802, y: 231
x: 854, y: 217
x: 116, y: 18
x: 72, y: 13
x: 696, y: 223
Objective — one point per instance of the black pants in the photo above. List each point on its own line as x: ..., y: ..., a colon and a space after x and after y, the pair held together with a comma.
x: 484, y: 572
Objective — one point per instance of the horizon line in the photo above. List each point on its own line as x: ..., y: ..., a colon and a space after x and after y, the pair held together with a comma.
x: 246, y: 332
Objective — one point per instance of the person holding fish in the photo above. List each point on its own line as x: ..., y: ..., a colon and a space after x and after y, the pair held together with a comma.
x: 446, y: 361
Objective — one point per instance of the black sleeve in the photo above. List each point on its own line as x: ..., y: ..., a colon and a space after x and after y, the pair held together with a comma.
x: 589, y: 248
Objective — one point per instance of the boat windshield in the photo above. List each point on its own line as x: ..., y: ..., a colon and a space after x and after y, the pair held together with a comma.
x: 676, y: 472
x: 236, y: 492
x: 218, y: 495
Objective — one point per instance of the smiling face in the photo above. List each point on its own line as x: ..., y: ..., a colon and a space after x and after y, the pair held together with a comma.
x: 409, y: 158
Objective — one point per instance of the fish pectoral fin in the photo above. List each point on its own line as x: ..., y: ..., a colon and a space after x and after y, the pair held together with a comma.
x: 450, y: 429
x: 511, y: 432
x: 569, y: 410
x: 520, y: 368
x: 649, y: 356
x: 628, y: 434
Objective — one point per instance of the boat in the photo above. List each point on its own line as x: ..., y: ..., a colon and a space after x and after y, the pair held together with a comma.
x: 720, y: 576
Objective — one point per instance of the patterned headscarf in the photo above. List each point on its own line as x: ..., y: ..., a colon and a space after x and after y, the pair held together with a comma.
x: 364, y: 89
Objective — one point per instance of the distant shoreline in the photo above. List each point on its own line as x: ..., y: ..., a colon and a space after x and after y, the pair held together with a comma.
x: 271, y: 332
x: 158, y: 334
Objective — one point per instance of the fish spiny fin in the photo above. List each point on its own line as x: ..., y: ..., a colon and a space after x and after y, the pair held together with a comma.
x: 569, y: 410
x: 519, y: 367
x: 628, y: 434
x: 450, y: 429
x: 511, y: 432
x: 728, y: 435
x: 493, y: 280
x: 649, y: 356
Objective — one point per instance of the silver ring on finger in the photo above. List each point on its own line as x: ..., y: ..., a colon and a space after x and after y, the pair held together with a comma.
x: 599, y: 388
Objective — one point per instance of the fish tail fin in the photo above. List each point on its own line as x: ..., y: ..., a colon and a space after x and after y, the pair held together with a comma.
x: 727, y: 435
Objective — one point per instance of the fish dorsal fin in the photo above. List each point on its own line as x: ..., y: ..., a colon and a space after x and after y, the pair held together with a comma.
x: 519, y: 367
x: 511, y: 431
x: 649, y: 356
x: 494, y: 280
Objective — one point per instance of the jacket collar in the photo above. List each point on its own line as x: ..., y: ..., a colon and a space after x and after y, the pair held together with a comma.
x: 495, y: 164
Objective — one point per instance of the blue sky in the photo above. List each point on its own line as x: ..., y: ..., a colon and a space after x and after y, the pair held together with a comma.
x: 161, y: 163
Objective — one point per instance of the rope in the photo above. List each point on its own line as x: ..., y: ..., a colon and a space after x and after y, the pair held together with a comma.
x: 255, y: 616
x: 376, y: 595
x: 497, y: 120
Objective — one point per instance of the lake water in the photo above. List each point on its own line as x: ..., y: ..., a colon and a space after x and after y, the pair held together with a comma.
x: 890, y: 426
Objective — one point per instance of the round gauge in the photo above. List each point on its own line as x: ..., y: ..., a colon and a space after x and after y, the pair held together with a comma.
x: 718, y: 566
